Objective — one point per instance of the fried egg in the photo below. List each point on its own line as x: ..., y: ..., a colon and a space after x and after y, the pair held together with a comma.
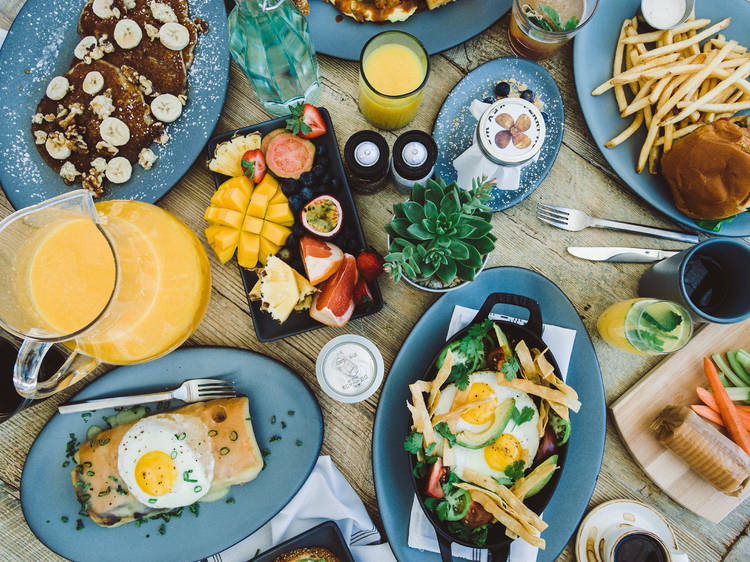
x: 517, y: 442
x: 166, y: 460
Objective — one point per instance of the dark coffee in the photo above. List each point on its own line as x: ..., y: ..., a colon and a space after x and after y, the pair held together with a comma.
x: 9, y: 398
x: 639, y: 547
x: 706, y: 283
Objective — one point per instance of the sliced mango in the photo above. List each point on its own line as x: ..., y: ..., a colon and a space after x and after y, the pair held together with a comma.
x: 278, y: 198
x: 258, y: 205
x: 268, y: 186
x: 252, y: 224
x: 280, y: 213
x: 276, y: 233
x: 222, y: 237
x: 234, y: 198
x: 248, y: 249
x: 242, y: 182
x: 267, y: 248
x: 225, y: 217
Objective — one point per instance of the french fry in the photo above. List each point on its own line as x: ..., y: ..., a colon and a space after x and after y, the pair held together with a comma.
x: 627, y: 133
x: 653, y: 130
x: 633, y: 74
x: 652, y: 36
x: 617, y: 68
x: 698, y: 37
x: 724, y: 107
x: 668, y: 136
x: 653, y: 156
x: 680, y: 133
x: 641, y: 99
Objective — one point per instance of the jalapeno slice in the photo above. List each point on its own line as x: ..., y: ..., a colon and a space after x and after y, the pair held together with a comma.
x: 459, y: 501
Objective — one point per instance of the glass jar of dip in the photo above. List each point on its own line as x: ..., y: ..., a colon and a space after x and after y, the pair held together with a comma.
x: 349, y: 368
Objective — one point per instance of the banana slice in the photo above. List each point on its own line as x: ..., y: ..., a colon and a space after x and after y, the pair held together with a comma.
x: 118, y: 170
x: 93, y: 82
x: 166, y: 107
x: 128, y: 34
x: 58, y: 87
x: 114, y: 131
x: 57, y: 147
x: 105, y: 9
x: 174, y: 36
x: 84, y: 46
x: 162, y: 12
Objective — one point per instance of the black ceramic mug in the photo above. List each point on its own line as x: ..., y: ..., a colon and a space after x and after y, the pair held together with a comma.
x: 711, y: 280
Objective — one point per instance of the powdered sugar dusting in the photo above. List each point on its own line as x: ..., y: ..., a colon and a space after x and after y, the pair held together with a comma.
x: 31, y: 55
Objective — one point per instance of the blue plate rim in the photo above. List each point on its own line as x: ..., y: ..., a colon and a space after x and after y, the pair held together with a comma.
x: 558, y: 142
x: 195, y: 349
x: 670, y: 211
x: 597, y: 378
x: 212, y: 122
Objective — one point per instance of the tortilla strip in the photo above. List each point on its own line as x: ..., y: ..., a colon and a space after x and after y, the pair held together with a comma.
x: 549, y: 394
x: 449, y: 454
x: 541, y: 422
x: 559, y: 409
x: 528, y: 368
x: 504, y: 493
x: 458, y: 412
x: 506, y: 519
x: 502, y: 505
x: 548, y: 372
x: 522, y: 486
x: 419, y: 413
x: 442, y: 375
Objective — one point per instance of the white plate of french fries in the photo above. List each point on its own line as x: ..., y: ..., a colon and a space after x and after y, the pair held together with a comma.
x: 641, y: 90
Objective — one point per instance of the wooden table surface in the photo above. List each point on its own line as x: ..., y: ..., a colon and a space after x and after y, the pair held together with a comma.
x: 580, y: 178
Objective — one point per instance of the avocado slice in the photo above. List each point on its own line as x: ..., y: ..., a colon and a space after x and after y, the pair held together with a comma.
x: 502, y: 339
x: 542, y: 483
x: 503, y: 413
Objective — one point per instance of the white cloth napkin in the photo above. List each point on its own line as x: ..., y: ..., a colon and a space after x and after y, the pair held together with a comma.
x: 421, y: 533
x: 3, y: 33
x: 325, y: 495
x: 472, y: 163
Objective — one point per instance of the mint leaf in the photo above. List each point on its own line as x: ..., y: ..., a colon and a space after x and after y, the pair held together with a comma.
x: 510, y: 368
x: 522, y: 416
x: 571, y: 24
x: 514, y: 470
x: 413, y: 442
x: 553, y: 16
x: 714, y: 225
x: 540, y: 23
x: 443, y: 429
x: 670, y: 322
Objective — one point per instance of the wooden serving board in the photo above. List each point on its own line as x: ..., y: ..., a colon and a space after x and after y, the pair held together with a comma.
x: 673, y: 381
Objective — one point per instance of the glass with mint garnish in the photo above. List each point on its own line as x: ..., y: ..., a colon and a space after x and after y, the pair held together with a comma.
x: 538, y: 28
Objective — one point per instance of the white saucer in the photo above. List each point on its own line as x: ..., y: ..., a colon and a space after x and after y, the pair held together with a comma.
x: 618, y: 512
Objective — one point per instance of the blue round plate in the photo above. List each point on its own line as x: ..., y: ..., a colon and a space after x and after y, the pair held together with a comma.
x: 593, y: 54
x: 438, y: 30
x: 455, y: 125
x: 585, y: 448
x: 40, y: 45
x: 47, y: 493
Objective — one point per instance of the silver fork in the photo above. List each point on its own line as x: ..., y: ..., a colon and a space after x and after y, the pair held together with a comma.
x: 575, y: 220
x: 189, y: 391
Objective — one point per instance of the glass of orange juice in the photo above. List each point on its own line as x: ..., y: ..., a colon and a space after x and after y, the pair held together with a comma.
x: 393, y: 71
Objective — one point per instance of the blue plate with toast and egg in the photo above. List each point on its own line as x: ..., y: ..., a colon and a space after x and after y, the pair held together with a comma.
x: 287, y: 423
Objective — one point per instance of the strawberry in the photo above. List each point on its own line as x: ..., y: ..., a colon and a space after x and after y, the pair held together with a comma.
x: 362, y: 294
x: 306, y: 121
x: 370, y: 265
x: 254, y: 165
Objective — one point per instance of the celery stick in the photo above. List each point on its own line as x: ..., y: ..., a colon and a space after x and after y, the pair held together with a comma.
x: 726, y: 371
x: 744, y: 359
x: 739, y: 393
x: 737, y: 368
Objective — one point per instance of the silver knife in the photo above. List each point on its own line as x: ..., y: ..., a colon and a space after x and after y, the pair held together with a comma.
x: 624, y: 255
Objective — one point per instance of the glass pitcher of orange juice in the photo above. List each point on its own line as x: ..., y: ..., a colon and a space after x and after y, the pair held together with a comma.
x: 118, y: 282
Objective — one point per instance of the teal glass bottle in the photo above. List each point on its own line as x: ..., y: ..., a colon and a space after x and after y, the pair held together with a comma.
x: 270, y: 40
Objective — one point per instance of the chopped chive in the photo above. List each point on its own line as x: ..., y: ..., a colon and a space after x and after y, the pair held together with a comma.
x: 230, y: 500
x: 120, y: 490
x: 283, y: 425
x: 162, y: 529
x: 195, y: 509
x: 275, y: 438
x: 139, y: 522
x: 85, y: 497
x: 173, y: 454
x: 265, y: 452
x: 113, y: 478
x: 186, y: 476
x: 233, y: 436
x: 249, y: 418
x: 91, y: 443
x: 273, y: 419
x: 86, y: 416
x: 90, y: 473
x: 65, y: 463
x: 198, y: 489
x: 64, y: 518
x: 152, y: 500
x: 223, y: 451
x: 290, y: 412
x: 213, y: 433
x: 104, y: 441
x: 298, y: 442
x: 180, y: 436
x: 105, y: 492
x: 79, y: 525
x: 87, y: 464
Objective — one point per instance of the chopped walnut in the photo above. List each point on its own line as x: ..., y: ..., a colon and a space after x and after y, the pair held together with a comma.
x: 62, y: 111
x: 103, y: 147
x: 183, y: 99
x: 107, y: 46
x: 201, y: 24
x: 75, y: 109
x: 37, y: 118
x: 130, y: 73
x: 69, y: 173
x: 50, y: 117
x: 162, y: 139
x: 145, y: 85
x: 40, y: 137
x: 93, y: 181
x: 98, y: 164
x: 79, y: 145
x: 151, y: 31
x: 147, y: 158
x: 102, y: 106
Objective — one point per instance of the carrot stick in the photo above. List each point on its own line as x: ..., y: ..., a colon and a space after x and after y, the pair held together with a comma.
x: 708, y: 399
x: 714, y: 416
x: 728, y: 411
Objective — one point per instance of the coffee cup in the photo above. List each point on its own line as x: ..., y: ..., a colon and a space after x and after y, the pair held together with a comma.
x: 625, y: 543
x: 710, y: 280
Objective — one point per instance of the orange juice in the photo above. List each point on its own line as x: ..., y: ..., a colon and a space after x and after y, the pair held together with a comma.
x: 393, y: 71
x: 71, y: 275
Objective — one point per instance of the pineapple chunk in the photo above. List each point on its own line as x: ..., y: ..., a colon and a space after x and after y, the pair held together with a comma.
x: 225, y: 217
x: 247, y: 252
x: 227, y: 158
x: 278, y: 289
x: 252, y: 224
x: 276, y: 233
x: 280, y: 213
x: 267, y: 248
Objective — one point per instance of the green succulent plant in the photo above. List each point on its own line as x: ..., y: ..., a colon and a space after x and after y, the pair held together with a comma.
x: 442, y: 232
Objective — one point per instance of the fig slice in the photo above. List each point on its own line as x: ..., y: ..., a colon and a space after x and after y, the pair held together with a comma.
x: 503, y: 138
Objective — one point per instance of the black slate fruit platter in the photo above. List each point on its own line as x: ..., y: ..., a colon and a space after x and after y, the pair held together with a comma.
x: 326, y: 177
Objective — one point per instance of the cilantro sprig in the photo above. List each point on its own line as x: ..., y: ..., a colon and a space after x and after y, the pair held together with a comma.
x: 510, y: 368
x: 522, y: 416
x: 443, y: 429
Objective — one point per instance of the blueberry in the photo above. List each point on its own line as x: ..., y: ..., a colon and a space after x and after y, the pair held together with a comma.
x: 327, y: 178
x: 289, y: 186
x: 321, y: 150
x: 318, y: 171
x: 319, y: 189
x: 307, y: 179
x: 296, y: 202
x: 307, y: 194
x: 488, y: 100
x: 335, y: 184
x: 502, y: 89
x: 545, y: 117
x: 297, y: 229
x: 527, y: 95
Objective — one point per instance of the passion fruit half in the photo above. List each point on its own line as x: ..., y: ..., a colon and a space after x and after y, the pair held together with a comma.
x: 323, y: 216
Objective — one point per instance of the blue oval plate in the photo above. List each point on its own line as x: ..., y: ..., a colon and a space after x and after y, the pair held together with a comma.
x: 593, y: 55
x: 40, y: 45
x: 47, y: 493
x: 585, y: 448
x: 455, y: 125
x: 438, y: 30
